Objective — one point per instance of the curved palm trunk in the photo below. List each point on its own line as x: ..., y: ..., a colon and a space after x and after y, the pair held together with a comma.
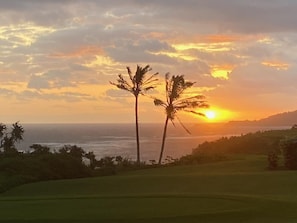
x: 163, y: 139
x: 137, y: 130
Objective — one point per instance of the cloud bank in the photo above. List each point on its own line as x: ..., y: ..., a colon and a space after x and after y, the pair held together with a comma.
x: 62, y: 54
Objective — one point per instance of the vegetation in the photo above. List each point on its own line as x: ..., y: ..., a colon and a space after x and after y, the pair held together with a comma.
x: 41, y: 164
x: 69, y: 162
x: 261, y: 142
x: 175, y: 101
x: 8, y: 139
x: 138, y: 84
x: 228, y: 185
x: 239, y: 189
x: 289, y: 151
x: 274, y: 144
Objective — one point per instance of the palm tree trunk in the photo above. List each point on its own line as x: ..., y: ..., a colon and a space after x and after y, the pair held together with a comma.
x: 163, y: 139
x: 137, y: 130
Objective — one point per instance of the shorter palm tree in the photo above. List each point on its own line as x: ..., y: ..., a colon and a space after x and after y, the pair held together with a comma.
x: 175, y: 89
x: 137, y: 85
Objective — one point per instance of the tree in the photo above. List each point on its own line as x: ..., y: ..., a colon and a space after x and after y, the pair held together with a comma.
x: 40, y: 149
x: 289, y: 150
x: 92, y: 157
x: 8, y: 139
x: 138, y: 84
x: 175, y: 89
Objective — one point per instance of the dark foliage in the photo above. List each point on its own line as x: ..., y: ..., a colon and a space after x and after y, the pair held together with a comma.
x: 68, y: 162
x: 289, y: 148
x: 273, y: 160
x: 251, y: 143
x: 137, y: 84
x: 175, y: 101
x: 44, y: 165
x: 8, y: 139
x: 110, y: 165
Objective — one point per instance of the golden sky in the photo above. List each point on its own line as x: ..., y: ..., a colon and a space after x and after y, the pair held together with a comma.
x: 57, y: 57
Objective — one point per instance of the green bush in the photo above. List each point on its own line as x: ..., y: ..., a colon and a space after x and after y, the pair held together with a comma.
x: 273, y: 159
x: 199, y: 157
x: 289, y: 148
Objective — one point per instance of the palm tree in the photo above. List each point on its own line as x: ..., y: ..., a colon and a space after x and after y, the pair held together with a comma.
x: 8, y: 139
x: 175, y: 88
x: 138, y: 84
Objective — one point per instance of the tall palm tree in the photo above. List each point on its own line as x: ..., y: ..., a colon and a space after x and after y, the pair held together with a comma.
x: 138, y: 84
x: 175, y: 89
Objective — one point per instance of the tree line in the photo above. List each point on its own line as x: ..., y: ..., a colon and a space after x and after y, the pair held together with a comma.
x: 175, y: 99
x: 43, y: 163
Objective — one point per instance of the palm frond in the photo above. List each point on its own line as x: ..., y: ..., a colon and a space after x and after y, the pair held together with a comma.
x: 170, y: 111
x: 137, y: 84
x: 148, y: 88
x: 177, y: 87
x: 130, y: 74
x: 182, y: 124
x: 196, y: 113
x: 140, y: 74
x: 192, y: 102
x: 172, y: 121
x: 123, y: 84
x: 151, y: 80
x: 159, y: 102
x: 167, y: 86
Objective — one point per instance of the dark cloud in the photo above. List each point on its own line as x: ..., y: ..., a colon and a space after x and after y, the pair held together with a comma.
x: 38, y: 82
x: 242, y: 16
x: 51, y: 79
x: 229, y: 15
x: 140, y: 51
x: 6, y: 93
x: 29, y: 95
x: 52, y: 44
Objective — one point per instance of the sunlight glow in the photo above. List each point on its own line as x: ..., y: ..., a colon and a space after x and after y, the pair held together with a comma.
x: 210, y: 114
x: 206, y: 47
x: 222, y: 71
x: 215, y: 114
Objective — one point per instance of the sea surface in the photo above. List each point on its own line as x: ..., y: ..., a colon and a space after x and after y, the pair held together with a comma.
x: 119, y: 139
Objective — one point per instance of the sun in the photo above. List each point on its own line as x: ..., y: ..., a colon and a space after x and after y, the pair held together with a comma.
x: 216, y: 115
x: 210, y: 114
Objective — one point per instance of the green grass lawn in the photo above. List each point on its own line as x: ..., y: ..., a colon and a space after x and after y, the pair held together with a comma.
x: 240, y: 190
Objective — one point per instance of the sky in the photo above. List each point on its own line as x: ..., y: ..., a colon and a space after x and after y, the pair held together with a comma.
x: 58, y: 56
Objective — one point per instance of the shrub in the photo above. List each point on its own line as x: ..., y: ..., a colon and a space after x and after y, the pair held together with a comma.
x: 200, y: 156
x: 289, y: 148
x: 272, y: 160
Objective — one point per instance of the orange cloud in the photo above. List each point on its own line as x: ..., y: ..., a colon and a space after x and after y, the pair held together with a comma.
x: 155, y: 35
x: 277, y: 65
x: 222, y: 71
x: 79, y: 52
x: 99, y: 61
x: 6, y: 71
x: 222, y: 38
x: 206, y: 47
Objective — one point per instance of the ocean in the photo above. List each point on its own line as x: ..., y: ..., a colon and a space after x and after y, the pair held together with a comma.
x: 119, y: 139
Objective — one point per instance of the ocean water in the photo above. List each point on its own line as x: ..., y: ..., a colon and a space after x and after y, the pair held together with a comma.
x: 119, y: 139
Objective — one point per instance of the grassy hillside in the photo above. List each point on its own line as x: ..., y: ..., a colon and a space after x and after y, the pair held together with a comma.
x: 261, y: 142
x: 239, y: 190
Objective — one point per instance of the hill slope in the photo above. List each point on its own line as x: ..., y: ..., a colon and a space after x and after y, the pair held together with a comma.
x: 281, y: 119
